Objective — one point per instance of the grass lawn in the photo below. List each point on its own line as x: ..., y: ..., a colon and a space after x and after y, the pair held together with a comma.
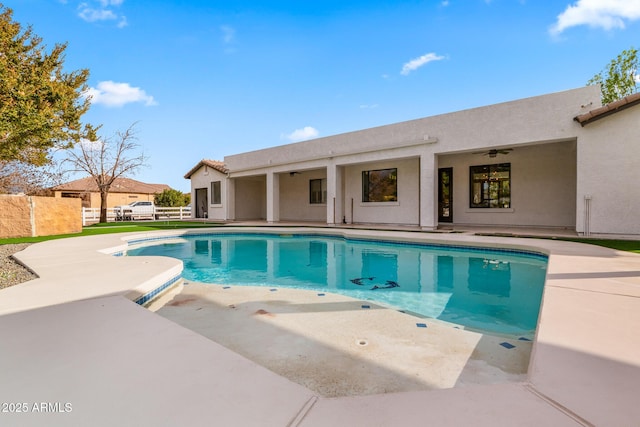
x: 621, y: 245
x: 124, y: 227
x: 112, y: 227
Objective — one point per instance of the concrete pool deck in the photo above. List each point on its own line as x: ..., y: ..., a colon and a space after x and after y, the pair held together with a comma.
x: 77, y: 351
x: 338, y: 346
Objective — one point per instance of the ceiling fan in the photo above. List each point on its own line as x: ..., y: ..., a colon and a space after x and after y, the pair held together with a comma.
x: 494, y: 152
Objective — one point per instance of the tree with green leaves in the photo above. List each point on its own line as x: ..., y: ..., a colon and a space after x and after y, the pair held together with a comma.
x: 40, y: 104
x: 170, y: 198
x: 620, y: 77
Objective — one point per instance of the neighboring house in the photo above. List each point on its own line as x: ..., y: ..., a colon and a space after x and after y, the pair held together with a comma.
x: 559, y: 160
x: 122, y: 192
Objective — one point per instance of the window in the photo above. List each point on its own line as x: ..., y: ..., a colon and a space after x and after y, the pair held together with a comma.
x: 380, y: 185
x: 216, y: 198
x: 317, y: 191
x: 490, y: 186
x: 71, y: 195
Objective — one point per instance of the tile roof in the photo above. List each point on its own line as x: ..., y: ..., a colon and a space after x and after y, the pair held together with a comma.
x: 214, y: 164
x: 120, y: 185
x: 604, y: 111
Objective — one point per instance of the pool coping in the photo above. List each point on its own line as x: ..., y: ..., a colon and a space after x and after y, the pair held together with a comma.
x: 584, y: 369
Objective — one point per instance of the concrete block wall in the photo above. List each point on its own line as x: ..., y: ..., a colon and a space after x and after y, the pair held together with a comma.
x: 29, y: 216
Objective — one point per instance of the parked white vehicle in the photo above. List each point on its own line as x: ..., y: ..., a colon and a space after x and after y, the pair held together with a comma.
x: 135, y: 210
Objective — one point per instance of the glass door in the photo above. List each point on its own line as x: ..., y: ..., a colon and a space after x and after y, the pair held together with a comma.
x: 202, y: 209
x: 445, y: 195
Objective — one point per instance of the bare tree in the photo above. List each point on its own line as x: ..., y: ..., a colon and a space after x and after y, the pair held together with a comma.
x: 108, y: 159
x: 21, y: 177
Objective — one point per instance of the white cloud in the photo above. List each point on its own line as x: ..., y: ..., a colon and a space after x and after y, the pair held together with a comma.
x: 228, y: 33
x: 91, y: 145
x: 123, y: 22
x: 605, y: 14
x: 92, y: 15
x: 306, y: 132
x: 416, y: 63
x: 228, y: 38
x: 368, y: 106
x: 112, y: 94
x: 102, y: 10
x: 107, y: 3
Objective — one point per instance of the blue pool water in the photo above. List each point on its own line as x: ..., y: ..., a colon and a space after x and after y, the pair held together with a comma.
x: 489, y: 290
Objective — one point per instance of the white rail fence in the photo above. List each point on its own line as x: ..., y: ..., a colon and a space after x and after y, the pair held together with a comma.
x: 92, y: 215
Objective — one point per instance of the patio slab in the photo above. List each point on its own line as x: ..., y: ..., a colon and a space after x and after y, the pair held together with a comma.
x: 107, y: 362
x: 480, y: 406
x: 331, y: 345
x: 73, y: 336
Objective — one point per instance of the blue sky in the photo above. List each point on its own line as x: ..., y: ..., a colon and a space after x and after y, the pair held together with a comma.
x: 205, y: 79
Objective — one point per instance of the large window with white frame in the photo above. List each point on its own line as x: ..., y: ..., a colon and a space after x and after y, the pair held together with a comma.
x: 380, y: 185
x: 490, y: 186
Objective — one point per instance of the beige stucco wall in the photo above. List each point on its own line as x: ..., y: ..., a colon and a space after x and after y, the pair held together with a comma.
x: 26, y: 216
x: 117, y: 199
x: 250, y: 198
x: 113, y: 199
x: 556, y: 164
x: 519, y: 124
x: 202, y: 178
x: 543, y: 186
x: 609, y: 172
x: 405, y: 211
x: 294, y: 197
x: 541, y: 118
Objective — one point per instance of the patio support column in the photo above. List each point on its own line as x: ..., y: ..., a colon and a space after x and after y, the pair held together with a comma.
x: 230, y: 206
x: 428, y: 191
x: 335, y: 209
x: 273, y: 197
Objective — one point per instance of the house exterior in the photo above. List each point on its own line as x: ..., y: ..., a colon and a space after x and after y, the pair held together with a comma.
x: 208, y: 184
x: 122, y: 192
x: 560, y: 160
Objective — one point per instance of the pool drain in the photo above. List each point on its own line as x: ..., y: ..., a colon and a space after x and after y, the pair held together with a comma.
x: 362, y: 343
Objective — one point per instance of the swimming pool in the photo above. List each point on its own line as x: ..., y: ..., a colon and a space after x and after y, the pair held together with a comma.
x: 496, y: 291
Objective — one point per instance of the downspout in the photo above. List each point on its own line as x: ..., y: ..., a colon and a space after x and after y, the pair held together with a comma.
x: 334, y: 211
x: 587, y: 216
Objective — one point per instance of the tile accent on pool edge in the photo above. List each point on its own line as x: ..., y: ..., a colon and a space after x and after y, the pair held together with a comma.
x: 151, y: 295
x: 421, y: 325
x: 507, y: 345
x: 523, y: 339
x: 273, y: 290
x: 365, y: 306
x: 321, y: 295
x: 532, y: 253
x: 226, y: 287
